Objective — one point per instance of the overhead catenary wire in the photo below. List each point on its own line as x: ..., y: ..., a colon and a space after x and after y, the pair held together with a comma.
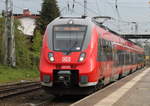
x: 85, y: 8
x: 68, y: 5
x: 14, y: 6
x: 65, y: 8
x: 89, y: 9
x: 73, y: 6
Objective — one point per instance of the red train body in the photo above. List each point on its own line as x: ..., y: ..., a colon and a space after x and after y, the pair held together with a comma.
x: 79, y: 56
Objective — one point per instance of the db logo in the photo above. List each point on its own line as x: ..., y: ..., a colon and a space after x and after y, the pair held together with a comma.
x: 66, y: 59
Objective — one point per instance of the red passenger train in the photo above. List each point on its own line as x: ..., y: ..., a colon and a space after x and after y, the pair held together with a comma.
x: 79, y: 56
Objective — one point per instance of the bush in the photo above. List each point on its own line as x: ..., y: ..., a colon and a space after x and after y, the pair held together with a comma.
x: 37, y: 44
x: 23, y: 54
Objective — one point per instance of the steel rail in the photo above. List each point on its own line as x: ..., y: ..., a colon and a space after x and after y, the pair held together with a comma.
x: 18, y: 88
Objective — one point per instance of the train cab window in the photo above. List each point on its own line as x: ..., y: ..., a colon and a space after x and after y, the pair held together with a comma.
x: 68, y: 38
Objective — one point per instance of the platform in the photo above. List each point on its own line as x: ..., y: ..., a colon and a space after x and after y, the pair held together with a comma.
x: 133, y: 90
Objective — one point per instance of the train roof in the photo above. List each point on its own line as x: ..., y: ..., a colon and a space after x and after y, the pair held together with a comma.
x: 83, y: 20
x: 76, y: 20
x: 111, y: 31
x: 88, y: 21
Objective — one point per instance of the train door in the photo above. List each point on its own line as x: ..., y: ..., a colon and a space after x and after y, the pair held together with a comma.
x: 115, y: 68
x: 101, y: 56
x: 110, y: 57
x: 106, y: 60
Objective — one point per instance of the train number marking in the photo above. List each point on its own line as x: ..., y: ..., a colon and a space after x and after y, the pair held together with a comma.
x: 66, y: 59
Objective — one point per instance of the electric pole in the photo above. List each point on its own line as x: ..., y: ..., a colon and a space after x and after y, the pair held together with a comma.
x: 85, y: 7
x: 135, y: 29
x: 8, y: 36
x: 118, y: 14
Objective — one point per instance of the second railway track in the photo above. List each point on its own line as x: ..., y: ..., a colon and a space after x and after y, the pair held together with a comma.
x: 18, y: 88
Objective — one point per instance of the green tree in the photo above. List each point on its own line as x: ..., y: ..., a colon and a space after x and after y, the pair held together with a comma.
x: 23, y: 53
x: 37, y: 44
x: 1, y: 33
x: 49, y: 12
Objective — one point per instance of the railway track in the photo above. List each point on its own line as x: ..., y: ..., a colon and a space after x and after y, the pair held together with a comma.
x: 18, y: 88
x: 31, y: 94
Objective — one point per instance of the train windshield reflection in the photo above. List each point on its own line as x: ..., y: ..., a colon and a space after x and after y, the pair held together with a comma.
x: 68, y: 38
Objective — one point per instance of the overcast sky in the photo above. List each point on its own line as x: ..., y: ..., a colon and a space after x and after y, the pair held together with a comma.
x: 129, y: 10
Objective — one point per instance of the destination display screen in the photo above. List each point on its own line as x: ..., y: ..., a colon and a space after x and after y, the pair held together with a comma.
x: 69, y: 28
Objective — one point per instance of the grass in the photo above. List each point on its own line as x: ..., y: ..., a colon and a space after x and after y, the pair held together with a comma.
x: 8, y: 74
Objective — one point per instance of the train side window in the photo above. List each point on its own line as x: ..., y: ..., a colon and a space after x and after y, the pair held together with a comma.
x: 101, y: 52
x: 114, y: 55
x: 121, y: 57
x: 107, y: 47
x: 136, y: 59
x: 99, y: 49
x: 126, y: 58
x: 118, y: 57
x: 103, y: 47
x: 140, y: 58
x: 110, y: 51
x: 101, y: 55
x: 132, y: 58
x: 104, y: 50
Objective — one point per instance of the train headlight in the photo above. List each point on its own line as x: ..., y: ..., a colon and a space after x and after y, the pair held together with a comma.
x: 82, y: 57
x: 51, y: 56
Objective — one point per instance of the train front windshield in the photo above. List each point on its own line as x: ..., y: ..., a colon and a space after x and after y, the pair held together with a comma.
x: 68, y: 38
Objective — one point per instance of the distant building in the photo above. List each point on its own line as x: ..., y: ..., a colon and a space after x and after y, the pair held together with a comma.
x: 27, y: 20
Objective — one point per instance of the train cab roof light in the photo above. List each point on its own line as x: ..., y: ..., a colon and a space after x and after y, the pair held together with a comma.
x: 70, y: 22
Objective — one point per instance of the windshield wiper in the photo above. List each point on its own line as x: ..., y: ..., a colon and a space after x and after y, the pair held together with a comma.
x: 69, y: 50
